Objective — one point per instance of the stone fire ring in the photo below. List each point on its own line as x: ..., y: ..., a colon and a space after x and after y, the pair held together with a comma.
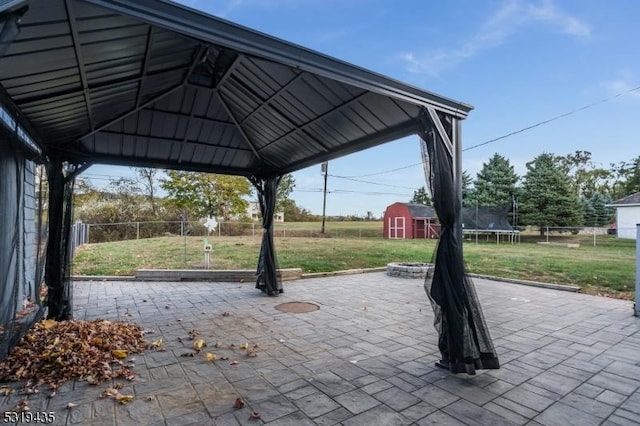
x: 408, y: 269
x: 297, y: 307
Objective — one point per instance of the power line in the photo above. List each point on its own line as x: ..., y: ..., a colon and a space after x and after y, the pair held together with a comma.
x: 557, y: 117
x: 385, y: 171
x: 515, y: 132
x: 373, y: 183
x: 349, y: 191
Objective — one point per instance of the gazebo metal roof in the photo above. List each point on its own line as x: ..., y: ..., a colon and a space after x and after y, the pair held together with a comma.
x: 153, y: 83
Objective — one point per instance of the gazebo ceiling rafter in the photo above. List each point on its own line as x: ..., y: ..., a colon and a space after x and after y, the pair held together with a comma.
x: 145, y: 65
x: 244, y: 135
x: 147, y: 103
x: 316, y: 120
x: 81, y: 67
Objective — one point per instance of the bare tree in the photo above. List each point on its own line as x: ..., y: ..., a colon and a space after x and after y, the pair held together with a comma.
x: 148, y: 179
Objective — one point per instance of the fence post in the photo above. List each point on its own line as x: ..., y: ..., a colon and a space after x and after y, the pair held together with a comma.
x: 636, y: 306
x: 137, y: 230
x: 547, y: 233
x: 594, y: 236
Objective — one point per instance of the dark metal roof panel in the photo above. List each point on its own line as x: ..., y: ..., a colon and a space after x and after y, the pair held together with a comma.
x: 218, y: 31
x: 150, y: 82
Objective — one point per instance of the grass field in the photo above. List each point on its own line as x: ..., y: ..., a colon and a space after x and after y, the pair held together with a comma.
x: 608, y: 268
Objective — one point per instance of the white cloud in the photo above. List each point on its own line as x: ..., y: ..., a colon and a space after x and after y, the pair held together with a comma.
x: 512, y: 17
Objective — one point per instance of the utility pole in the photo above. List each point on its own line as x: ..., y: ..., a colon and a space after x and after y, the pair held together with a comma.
x: 325, y: 170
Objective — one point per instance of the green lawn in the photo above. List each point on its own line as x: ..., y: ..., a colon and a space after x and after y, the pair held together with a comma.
x: 607, y: 268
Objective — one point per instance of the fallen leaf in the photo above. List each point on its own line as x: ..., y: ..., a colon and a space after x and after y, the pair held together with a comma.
x: 224, y: 358
x: 188, y: 354
x: 238, y: 404
x: 157, y: 345
x: 71, y: 405
x: 252, y: 353
x: 49, y: 323
x: 109, y: 393
x: 53, y: 352
x: 254, y: 416
x: 119, y: 353
x: 124, y: 399
x: 198, y: 344
x: 244, y: 346
x: 210, y: 357
x: 235, y: 362
x: 149, y: 398
x: 6, y: 390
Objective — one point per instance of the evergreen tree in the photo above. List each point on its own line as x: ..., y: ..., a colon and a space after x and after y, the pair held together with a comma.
x: 495, y: 184
x: 421, y: 196
x: 548, y: 198
x: 596, y: 212
x: 632, y: 184
x: 468, y: 193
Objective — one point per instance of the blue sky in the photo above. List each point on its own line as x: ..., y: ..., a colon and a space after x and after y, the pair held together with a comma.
x: 518, y: 62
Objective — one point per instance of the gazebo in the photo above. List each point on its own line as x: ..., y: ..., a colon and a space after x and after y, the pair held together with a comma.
x: 155, y: 84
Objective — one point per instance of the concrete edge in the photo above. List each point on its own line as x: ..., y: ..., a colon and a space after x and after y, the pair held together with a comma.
x: 562, y: 287
x: 178, y: 276
x: 214, y: 275
x: 103, y: 278
x: 344, y: 272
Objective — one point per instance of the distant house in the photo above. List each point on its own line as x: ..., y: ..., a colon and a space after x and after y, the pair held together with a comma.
x: 627, y: 215
x: 409, y: 220
x: 253, y: 211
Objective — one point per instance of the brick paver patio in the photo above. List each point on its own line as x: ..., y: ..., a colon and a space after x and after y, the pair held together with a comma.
x: 366, y: 357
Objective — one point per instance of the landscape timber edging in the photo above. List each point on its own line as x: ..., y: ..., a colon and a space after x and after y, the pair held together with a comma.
x: 214, y: 275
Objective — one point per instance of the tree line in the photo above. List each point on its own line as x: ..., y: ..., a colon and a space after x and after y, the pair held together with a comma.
x: 189, y: 197
x: 558, y: 191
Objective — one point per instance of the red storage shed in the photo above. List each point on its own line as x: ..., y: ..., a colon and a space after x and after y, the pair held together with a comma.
x: 409, y: 220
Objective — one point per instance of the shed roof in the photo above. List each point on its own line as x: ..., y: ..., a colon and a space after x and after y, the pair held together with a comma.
x: 633, y: 199
x: 420, y: 210
x: 153, y: 83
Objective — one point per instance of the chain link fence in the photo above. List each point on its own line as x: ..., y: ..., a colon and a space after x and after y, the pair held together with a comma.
x: 85, y: 233
x: 583, y: 235
x: 104, y: 232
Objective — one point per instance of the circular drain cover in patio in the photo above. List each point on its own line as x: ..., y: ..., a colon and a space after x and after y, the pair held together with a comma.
x: 297, y: 307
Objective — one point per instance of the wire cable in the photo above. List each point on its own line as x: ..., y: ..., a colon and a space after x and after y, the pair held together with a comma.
x: 515, y: 132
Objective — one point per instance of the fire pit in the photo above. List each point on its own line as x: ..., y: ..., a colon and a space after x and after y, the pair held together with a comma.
x: 408, y: 269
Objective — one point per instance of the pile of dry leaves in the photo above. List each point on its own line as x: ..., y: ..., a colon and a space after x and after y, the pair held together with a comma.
x: 54, y: 352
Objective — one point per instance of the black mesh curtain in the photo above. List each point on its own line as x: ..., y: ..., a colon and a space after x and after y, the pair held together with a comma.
x: 267, y: 274
x: 58, y: 263
x: 464, y: 340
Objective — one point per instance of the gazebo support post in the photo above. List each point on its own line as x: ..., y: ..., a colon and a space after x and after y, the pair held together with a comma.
x: 463, y: 337
x: 59, y: 296
x: 266, y: 273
